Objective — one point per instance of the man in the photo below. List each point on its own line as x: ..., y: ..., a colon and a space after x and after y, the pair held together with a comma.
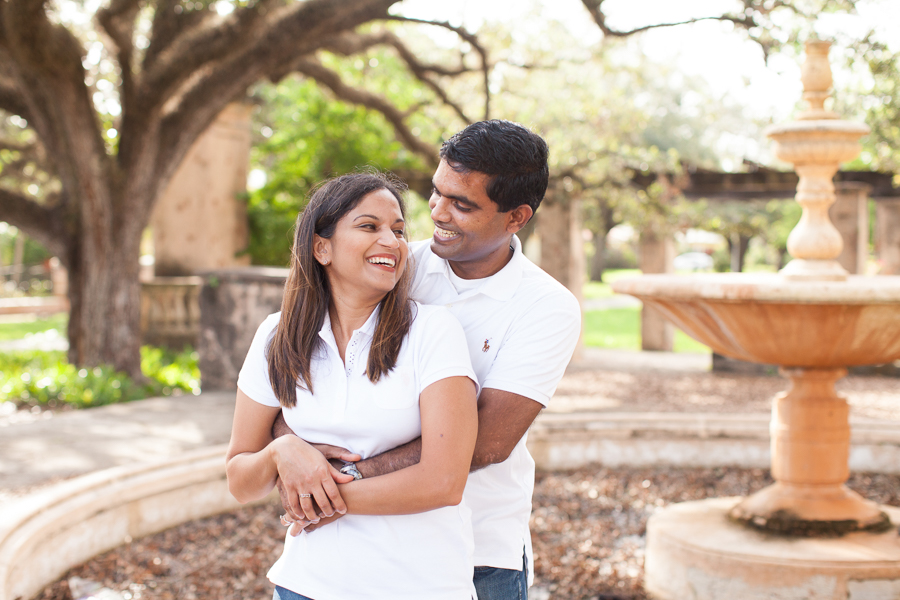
x: 521, y: 327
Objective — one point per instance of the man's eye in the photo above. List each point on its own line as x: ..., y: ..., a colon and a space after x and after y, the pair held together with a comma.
x: 461, y: 208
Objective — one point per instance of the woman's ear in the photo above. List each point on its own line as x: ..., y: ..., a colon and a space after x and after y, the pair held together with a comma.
x: 322, y: 250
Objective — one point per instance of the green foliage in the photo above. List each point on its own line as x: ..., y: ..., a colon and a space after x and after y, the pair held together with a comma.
x: 46, y: 378
x: 877, y: 100
x: 771, y: 221
x: 33, y: 253
x: 307, y: 136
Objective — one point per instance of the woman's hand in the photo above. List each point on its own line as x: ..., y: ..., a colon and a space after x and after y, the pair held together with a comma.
x: 307, y: 481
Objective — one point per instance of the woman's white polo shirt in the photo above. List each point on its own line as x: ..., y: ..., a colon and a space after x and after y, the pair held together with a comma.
x: 363, y: 556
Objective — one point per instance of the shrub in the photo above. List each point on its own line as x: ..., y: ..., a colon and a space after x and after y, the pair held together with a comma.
x: 46, y: 378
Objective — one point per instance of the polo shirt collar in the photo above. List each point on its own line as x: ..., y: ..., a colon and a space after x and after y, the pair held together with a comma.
x: 500, y: 286
x: 368, y: 328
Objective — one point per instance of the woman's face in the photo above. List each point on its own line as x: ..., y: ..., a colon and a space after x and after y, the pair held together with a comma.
x: 367, y: 253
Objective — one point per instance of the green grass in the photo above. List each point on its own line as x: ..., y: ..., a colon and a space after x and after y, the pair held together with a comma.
x: 620, y: 328
x: 17, y: 329
x: 597, y: 289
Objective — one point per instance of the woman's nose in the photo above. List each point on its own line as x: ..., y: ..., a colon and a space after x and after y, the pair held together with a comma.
x: 389, y: 239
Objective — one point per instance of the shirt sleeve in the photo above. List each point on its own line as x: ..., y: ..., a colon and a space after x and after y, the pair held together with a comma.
x: 536, y: 350
x: 253, y: 379
x: 442, y: 348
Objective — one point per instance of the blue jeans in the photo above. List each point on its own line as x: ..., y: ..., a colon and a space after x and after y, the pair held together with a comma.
x: 283, y: 594
x: 493, y: 583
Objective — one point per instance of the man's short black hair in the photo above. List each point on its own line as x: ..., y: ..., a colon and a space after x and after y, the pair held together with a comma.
x: 514, y: 158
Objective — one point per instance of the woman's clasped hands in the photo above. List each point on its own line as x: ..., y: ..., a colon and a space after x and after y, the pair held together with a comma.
x: 307, y: 481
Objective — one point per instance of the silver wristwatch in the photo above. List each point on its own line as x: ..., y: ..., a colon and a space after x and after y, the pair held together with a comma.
x: 349, y: 468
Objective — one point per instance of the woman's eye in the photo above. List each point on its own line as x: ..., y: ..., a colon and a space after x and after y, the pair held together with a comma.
x: 398, y: 232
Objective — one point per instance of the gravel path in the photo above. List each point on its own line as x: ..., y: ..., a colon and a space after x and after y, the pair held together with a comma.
x: 588, y: 525
x: 588, y: 529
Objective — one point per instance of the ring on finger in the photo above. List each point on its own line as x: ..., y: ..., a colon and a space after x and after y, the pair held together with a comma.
x: 286, y: 521
x: 306, y: 495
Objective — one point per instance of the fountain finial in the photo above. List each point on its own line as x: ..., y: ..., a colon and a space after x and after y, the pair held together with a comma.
x: 816, y: 77
x: 816, y: 143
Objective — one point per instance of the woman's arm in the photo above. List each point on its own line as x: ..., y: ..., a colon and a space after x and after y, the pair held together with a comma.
x: 254, y: 461
x: 449, y: 427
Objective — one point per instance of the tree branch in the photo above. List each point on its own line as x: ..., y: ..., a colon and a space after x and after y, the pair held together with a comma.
x: 11, y: 100
x: 332, y: 80
x: 348, y: 44
x: 37, y: 221
x: 258, y: 36
x: 595, y: 8
x: 474, y: 42
x: 50, y: 79
x: 297, y: 30
x: 117, y: 20
x: 169, y: 20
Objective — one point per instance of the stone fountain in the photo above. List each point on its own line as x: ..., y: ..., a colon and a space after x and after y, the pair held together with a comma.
x: 807, y: 536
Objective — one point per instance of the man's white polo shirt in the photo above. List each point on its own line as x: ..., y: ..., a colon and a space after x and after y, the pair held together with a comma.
x: 521, y: 326
x: 394, y: 556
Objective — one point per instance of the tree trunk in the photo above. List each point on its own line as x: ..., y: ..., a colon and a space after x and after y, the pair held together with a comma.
x: 105, y: 296
x: 598, y: 261
x: 738, y: 245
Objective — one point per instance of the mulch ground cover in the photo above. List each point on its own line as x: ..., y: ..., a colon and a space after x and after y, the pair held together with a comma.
x: 588, y: 527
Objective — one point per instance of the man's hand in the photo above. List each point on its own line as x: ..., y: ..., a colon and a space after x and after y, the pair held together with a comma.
x: 309, y: 527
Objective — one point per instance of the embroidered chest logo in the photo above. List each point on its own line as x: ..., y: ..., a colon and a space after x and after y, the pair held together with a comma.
x: 487, y: 345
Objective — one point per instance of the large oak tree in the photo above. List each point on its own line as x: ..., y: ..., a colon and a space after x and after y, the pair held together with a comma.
x: 177, y: 64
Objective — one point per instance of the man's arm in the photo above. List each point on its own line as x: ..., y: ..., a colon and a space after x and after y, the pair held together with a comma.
x: 503, y: 418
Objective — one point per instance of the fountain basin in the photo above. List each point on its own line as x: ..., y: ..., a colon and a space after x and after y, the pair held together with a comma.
x: 821, y: 141
x: 769, y: 319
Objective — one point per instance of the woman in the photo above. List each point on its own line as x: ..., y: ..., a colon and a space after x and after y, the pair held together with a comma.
x: 352, y: 362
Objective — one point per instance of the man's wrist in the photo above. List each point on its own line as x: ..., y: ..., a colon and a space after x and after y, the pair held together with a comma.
x: 349, y: 468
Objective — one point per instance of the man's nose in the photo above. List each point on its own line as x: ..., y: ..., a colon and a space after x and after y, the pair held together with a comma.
x: 438, y: 207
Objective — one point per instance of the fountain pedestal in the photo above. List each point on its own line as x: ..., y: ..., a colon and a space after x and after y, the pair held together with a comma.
x: 696, y: 552
x: 810, y: 448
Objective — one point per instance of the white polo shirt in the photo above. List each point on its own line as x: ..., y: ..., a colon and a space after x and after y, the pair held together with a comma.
x: 425, y: 555
x: 522, y: 327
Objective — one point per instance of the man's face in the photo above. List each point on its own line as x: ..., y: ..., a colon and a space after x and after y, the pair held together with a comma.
x: 469, y: 230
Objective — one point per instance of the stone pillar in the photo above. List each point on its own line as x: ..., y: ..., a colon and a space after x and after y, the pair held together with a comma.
x: 887, y: 235
x: 199, y: 223
x: 656, y: 255
x: 562, y: 245
x: 233, y: 303
x: 850, y: 215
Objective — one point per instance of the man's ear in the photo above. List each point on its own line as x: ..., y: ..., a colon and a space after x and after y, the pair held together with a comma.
x: 518, y: 217
x: 322, y: 249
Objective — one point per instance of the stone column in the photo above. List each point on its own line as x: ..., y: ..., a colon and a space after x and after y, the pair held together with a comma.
x: 887, y: 235
x: 656, y: 255
x: 199, y: 223
x: 233, y: 302
x: 562, y: 244
x: 850, y: 215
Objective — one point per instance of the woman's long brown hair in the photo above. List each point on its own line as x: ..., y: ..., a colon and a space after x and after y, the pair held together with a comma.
x: 307, y: 294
